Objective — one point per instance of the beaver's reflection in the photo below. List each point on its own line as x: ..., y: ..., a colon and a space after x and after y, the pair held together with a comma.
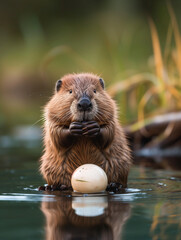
x: 84, y: 218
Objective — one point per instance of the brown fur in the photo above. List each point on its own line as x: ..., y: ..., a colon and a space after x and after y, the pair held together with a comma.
x: 62, y: 155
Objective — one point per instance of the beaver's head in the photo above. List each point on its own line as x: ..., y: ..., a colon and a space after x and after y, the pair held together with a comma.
x: 80, y: 97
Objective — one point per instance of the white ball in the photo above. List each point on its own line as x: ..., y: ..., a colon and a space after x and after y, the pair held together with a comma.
x: 89, y: 178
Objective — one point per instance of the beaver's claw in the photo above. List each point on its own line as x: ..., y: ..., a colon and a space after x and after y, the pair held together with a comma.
x: 75, y: 128
x: 60, y: 187
x: 90, y: 128
x: 115, y: 187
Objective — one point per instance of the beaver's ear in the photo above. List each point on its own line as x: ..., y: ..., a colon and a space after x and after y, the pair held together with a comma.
x: 58, y: 85
x: 101, y: 82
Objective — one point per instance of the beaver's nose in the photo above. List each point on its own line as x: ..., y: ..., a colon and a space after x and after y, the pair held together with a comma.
x: 84, y: 104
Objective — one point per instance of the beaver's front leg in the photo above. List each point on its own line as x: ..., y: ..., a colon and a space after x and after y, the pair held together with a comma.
x: 64, y: 136
x: 102, y: 135
x: 90, y: 129
x: 75, y: 129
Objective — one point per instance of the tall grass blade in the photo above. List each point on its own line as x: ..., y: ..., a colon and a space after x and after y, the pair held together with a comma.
x: 177, y: 38
x: 146, y: 97
x: 157, y: 52
x: 168, y: 43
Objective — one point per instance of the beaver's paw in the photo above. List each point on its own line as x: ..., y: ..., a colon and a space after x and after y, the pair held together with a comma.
x: 91, y: 129
x: 115, y: 187
x: 75, y: 128
x: 61, y: 187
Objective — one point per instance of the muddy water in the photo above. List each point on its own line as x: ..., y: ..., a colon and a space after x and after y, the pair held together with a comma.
x: 149, y: 209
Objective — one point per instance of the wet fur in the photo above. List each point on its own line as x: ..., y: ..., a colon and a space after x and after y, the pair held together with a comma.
x: 108, y: 150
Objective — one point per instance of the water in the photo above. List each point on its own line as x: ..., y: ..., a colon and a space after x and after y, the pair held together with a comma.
x: 149, y: 209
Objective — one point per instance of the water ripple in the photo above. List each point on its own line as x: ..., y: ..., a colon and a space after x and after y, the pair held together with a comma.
x: 26, y: 197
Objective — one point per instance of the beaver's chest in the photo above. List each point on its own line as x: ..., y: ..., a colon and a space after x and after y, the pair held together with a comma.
x: 85, y: 151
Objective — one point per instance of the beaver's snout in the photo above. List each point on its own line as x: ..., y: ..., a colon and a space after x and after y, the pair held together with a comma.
x: 84, y: 104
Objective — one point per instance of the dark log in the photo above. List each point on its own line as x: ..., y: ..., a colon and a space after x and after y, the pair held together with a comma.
x: 158, y: 139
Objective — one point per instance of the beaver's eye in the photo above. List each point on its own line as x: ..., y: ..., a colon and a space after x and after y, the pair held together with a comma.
x: 70, y: 91
x: 94, y: 90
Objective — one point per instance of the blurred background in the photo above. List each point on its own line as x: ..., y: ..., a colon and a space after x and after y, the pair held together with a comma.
x: 134, y: 45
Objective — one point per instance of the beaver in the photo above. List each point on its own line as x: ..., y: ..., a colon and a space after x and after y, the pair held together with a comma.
x: 81, y: 126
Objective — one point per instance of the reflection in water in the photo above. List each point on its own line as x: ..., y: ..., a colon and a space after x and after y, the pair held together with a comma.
x: 89, y: 206
x: 84, y: 218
